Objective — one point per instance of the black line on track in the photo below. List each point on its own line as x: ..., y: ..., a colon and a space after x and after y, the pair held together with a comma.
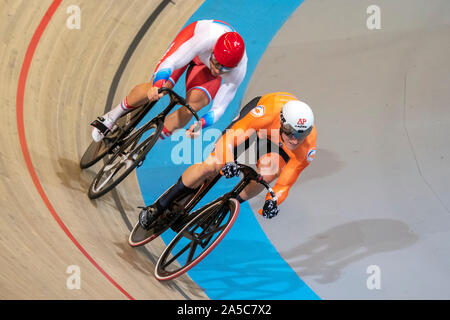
x: 130, y: 51
x: 110, y: 100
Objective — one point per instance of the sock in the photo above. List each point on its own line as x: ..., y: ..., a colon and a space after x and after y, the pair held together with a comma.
x: 165, y: 134
x: 119, y: 110
x: 172, y: 193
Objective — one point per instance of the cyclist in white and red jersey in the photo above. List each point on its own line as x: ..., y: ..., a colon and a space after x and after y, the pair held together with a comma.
x: 210, y: 51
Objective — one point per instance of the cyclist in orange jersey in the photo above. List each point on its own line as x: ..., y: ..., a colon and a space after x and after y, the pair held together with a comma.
x: 280, y: 119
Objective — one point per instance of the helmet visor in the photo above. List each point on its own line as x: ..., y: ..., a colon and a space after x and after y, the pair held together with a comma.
x: 218, y: 66
x: 288, y: 130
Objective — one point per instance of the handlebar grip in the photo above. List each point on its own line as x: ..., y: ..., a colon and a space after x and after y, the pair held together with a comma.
x: 274, y: 196
x: 268, y: 187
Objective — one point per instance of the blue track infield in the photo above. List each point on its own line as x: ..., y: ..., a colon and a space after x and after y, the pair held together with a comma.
x: 245, y: 265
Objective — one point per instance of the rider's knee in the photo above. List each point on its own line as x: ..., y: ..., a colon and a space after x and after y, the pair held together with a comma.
x: 197, y: 99
x: 211, y: 167
x: 141, y: 89
x: 185, y: 113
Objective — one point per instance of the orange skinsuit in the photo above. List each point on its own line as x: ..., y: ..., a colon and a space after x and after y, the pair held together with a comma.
x: 265, y: 120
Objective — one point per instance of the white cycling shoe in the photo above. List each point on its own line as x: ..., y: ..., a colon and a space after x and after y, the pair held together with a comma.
x: 101, y: 127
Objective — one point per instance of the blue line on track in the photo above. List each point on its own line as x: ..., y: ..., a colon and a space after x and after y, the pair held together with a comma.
x: 245, y: 265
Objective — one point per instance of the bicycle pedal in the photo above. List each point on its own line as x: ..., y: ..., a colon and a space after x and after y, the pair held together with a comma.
x: 98, y: 124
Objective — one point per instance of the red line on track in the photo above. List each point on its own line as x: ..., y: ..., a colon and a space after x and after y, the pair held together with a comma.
x: 23, y: 142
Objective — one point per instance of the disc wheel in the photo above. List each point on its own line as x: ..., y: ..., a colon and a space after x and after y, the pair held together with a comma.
x: 197, y: 239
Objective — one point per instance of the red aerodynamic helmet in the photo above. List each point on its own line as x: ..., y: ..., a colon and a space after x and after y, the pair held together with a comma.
x: 229, y: 49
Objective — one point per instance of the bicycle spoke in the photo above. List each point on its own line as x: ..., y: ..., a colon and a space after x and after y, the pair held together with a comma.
x: 189, y: 233
x: 196, y: 240
x: 175, y: 257
x: 112, y: 166
x: 128, y: 163
x: 208, y: 233
x: 204, y: 237
x: 109, y: 177
x: 135, y: 142
x: 104, y: 183
x: 211, y: 229
x: 193, y: 247
x: 217, y: 221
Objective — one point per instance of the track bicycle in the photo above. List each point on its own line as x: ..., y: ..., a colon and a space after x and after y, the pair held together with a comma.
x: 198, y: 232
x: 127, y: 146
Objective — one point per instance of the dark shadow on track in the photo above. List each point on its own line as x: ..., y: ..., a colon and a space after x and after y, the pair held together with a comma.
x: 264, y: 277
x: 326, y: 163
x: 326, y: 254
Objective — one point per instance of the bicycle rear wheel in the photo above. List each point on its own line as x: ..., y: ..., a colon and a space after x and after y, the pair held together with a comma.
x: 97, y: 150
x: 130, y: 155
x: 139, y: 236
x: 197, y: 239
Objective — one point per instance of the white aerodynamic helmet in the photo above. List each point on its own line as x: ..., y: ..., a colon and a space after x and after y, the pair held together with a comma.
x: 297, y: 119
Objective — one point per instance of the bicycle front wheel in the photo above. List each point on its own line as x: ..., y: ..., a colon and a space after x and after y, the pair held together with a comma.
x: 197, y: 239
x: 130, y: 155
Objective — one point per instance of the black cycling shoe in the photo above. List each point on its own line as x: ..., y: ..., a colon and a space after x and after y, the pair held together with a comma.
x: 148, y: 215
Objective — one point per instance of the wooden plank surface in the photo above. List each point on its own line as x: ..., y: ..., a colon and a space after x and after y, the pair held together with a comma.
x: 67, y: 86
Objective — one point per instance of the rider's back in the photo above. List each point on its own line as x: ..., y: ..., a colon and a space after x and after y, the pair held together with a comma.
x: 265, y: 119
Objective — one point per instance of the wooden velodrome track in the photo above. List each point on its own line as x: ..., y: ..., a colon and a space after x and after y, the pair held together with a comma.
x: 47, y: 222
x: 392, y: 210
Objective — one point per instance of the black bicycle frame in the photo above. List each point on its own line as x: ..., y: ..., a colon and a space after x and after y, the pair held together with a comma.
x: 249, y: 175
x: 174, y: 100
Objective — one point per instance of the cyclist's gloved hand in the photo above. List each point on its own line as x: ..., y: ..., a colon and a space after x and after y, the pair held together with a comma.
x: 270, y: 209
x: 230, y: 170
